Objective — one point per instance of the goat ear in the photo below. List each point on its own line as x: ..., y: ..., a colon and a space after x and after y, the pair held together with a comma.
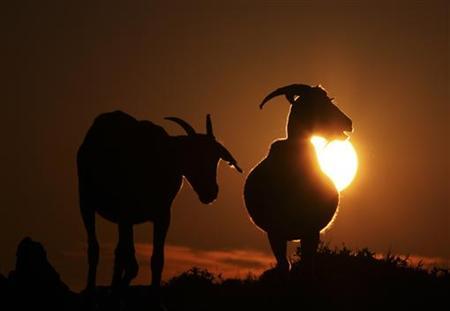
x: 236, y: 166
x: 292, y: 98
x: 209, y: 128
x: 226, y: 156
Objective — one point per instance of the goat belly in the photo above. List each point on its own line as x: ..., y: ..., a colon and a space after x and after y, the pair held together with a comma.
x: 289, y: 201
x: 134, y: 197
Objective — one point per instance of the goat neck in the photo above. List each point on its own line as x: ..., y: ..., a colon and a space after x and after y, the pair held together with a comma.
x: 180, y: 147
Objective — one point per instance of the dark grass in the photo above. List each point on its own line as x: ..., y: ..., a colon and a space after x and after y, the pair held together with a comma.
x: 344, y: 279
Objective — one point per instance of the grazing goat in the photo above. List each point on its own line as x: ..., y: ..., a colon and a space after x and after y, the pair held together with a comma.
x: 130, y: 171
x: 286, y: 194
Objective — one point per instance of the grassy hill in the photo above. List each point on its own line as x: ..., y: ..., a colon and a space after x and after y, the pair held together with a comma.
x: 344, y: 279
x: 352, y: 280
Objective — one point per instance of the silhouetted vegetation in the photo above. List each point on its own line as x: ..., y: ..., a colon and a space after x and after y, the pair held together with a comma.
x: 345, y: 278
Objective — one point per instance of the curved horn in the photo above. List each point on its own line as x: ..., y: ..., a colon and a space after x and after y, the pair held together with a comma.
x: 226, y: 156
x: 289, y: 91
x: 209, y: 128
x: 189, y: 129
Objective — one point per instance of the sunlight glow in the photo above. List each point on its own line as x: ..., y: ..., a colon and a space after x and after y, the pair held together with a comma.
x: 337, y: 159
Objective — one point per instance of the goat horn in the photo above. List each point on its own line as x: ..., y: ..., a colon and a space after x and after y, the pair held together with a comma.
x: 189, y: 129
x: 289, y: 91
x: 209, y: 128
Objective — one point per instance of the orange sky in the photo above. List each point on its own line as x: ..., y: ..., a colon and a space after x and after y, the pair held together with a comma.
x: 386, y: 64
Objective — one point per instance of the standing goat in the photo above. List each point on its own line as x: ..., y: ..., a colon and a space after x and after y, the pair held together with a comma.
x: 286, y: 194
x: 130, y: 171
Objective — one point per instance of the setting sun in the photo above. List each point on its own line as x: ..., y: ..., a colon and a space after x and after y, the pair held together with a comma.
x: 337, y: 159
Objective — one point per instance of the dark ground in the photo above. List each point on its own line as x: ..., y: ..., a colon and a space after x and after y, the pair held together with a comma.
x: 344, y: 279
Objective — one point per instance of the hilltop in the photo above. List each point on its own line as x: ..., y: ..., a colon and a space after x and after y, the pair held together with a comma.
x: 354, y: 280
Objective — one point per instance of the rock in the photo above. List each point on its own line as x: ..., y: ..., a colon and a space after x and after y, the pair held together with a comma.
x: 33, y: 270
x: 35, y: 283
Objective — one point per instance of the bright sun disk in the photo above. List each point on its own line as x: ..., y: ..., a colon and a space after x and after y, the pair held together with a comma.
x: 337, y: 159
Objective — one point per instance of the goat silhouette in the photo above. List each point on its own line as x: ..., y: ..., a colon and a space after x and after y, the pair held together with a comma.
x: 286, y: 194
x: 129, y: 172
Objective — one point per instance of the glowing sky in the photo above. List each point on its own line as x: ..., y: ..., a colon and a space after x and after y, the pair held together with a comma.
x: 385, y: 63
